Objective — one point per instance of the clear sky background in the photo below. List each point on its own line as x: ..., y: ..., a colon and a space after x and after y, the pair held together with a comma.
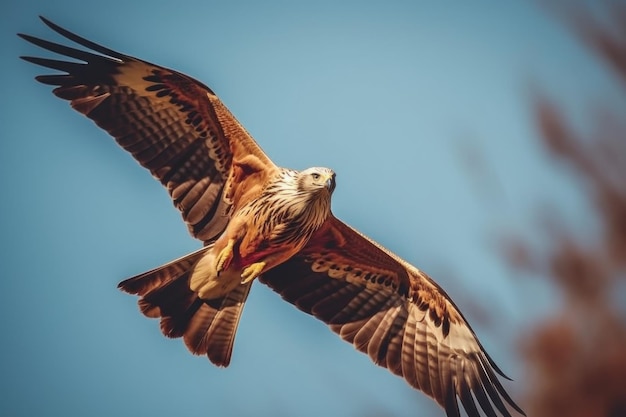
x: 392, y: 95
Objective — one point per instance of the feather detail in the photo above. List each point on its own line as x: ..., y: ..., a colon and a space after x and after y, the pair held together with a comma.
x: 172, y: 124
x: 395, y: 314
x: 208, y: 327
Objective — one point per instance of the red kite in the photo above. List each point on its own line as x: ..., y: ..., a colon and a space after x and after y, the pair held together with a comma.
x: 258, y: 220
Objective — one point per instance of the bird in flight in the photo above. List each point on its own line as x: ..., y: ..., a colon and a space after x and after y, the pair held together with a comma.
x: 261, y: 221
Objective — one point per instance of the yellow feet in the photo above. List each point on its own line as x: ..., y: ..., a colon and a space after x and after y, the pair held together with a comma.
x: 225, y: 256
x: 252, y: 271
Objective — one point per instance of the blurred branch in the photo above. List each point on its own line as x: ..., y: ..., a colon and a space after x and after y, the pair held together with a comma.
x: 577, y: 358
x: 605, y: 38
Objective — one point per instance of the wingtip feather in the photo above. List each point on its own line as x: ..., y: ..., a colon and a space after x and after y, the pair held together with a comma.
x: 108, y: 53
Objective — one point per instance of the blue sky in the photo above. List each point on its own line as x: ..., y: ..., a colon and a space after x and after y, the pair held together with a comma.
x: 388, y: 94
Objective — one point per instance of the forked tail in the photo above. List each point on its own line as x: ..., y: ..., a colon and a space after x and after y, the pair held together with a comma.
x: 208, y: 327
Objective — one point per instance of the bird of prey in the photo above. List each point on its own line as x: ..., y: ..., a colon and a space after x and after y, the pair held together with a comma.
x: 259, y: 220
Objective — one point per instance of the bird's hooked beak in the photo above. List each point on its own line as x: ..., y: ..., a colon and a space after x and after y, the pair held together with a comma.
x: 330, y: 182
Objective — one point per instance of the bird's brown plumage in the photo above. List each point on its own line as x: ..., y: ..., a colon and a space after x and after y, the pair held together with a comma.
x: 216, y: 175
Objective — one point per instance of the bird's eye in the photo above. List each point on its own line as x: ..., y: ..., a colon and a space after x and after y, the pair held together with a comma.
x: 315, y: 176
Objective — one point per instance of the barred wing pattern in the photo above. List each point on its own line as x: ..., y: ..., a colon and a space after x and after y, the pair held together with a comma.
x: 173, y: 125
x: 395, y: 314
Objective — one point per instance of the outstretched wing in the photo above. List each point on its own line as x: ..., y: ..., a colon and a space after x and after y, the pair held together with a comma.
x: 172, y: 124
x: 395, y: 314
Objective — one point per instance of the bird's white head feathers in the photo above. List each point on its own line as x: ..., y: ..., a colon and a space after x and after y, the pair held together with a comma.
x: 316, y: 179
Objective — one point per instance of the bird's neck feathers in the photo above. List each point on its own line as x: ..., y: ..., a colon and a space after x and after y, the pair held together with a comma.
x: 311, y: 205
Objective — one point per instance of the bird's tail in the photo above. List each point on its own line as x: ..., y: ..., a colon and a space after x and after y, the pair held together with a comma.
x: 207, y: 327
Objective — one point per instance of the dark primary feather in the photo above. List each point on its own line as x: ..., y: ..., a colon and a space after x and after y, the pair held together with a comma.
x: 172, y: 124
x: 376, y: 323
x: 399, y: 318
x: 177, y: 128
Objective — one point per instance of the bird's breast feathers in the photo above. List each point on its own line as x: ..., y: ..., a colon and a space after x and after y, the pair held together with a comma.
x: 282, y: 217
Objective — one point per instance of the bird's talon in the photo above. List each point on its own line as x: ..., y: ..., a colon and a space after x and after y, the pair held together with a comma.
x: 223, y: 259
x: 252, y: 271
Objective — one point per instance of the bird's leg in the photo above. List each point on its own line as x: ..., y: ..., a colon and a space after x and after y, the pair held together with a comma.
x: 223, y: 259
x: 252, y: 271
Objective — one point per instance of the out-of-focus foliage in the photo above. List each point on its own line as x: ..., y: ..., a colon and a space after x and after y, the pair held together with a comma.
x: 576, y: 359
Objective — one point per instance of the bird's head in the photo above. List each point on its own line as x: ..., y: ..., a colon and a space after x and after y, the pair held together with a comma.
x: 317, y: 179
